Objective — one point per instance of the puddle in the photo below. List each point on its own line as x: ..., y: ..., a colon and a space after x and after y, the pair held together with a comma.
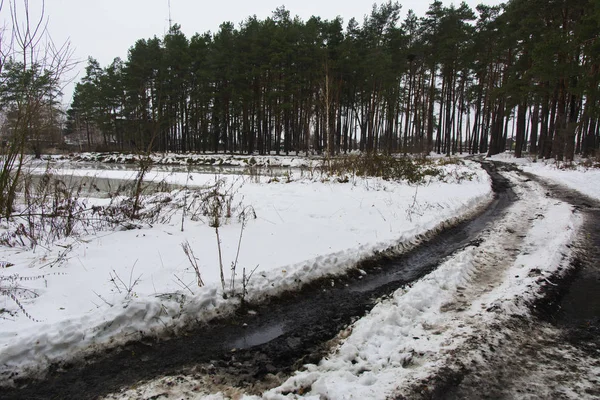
x: 257, y: 336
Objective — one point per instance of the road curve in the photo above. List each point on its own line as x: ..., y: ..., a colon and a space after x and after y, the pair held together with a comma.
x: 554, y: 353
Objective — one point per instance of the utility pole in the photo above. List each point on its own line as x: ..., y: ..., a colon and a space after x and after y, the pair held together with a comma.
x: 170, y: 20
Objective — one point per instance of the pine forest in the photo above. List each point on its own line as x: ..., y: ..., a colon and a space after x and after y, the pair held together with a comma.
x: 522, y: 76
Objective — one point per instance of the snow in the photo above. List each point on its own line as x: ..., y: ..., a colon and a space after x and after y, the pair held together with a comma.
x: 423, y: 328
x: 305, y: 229
x: 195, y: 159
x: 108, y: 287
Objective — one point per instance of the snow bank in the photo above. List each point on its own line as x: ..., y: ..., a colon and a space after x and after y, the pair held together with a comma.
x: 214, y: 160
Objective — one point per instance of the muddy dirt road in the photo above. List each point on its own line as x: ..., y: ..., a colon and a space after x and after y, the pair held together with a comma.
x: 263, y: 339
x: 540, y: 357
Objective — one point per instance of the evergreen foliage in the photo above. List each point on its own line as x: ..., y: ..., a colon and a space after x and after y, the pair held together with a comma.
x: 523, y: 75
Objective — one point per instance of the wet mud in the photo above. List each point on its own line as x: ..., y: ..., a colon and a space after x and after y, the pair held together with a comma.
x: 573, y: 303
x: 262, y: 340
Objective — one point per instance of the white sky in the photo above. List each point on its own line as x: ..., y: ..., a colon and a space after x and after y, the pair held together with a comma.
x: 105, y: 29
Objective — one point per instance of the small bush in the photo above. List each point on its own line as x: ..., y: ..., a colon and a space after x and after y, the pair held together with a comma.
x: 216, y: 202
x: 381, y: 166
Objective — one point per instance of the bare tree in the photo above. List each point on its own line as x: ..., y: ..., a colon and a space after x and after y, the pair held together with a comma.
x: 31, y: 69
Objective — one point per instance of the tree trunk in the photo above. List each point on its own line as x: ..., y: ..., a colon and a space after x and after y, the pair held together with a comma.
x: 521, y: 126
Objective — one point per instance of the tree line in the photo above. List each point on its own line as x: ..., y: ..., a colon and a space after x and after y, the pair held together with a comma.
x: 523, y: 75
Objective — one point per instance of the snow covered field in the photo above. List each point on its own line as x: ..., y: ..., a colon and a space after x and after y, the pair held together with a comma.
x: 112, y: 286
x: 305, y: 229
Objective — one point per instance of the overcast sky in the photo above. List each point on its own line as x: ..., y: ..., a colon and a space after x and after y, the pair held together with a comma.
x: 105, y: 29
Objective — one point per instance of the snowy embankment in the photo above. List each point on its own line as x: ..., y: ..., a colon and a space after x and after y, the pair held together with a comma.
x: 422, y: 329
x: 105, y: 288
x: 194, y: 159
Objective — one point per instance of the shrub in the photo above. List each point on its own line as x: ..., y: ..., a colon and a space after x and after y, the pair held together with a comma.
x: 381, y: 166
